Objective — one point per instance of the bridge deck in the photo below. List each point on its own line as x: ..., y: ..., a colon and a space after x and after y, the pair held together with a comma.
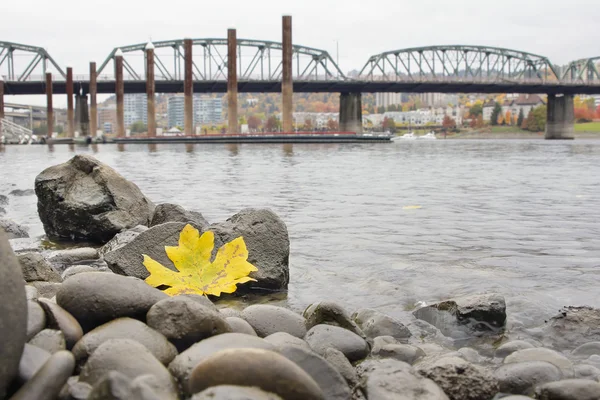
x: 108, y: 87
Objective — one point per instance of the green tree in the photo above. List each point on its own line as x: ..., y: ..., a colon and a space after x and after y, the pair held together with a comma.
x: 495, y: 113
x: 380, y: 110
x: 520, y: 118
x: 476, y: 110
x: 138, y: 127
x: 531, y: 122
x: 389, y: 125
x: 540, y: 115
x: 273, y: 124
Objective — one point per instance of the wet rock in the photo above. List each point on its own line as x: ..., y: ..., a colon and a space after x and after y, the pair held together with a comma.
x: 59, y: 318
x: 240, y: 326
x: 184, y: 321
x: 36, y: 319
x: 21, y: 192
x: 84, y: 199
x: 471, y: 355
x: 35, y: 268
x: 586, y: 350
x: 268, y: 245
x: 283, y: 339
x: 229, y: 392
x: 329, y: 379
x: 388, y: 347
x: 131, y: 359
x: 522, y: 377
x: 128, y: 259
x: 76, y: 269
x: 374, y: 323
x: 73, y: 256
x: 267, y: 319
x: 461, y: 380
x: 339, y: 361
x: 586, y: 371
x: 321, y: 337
x: 203, y: 300
x: 125, y: 328
x: 508, y: 348
x: 392, y: 380
x: 182, y: 365
x: 167, y: 212
x: 50, y: 340
x: 49, y: 380
x: 573, y: 327
x: 121, y: 239
x: 95, y: 298
x: 265, y: 369
x: 476, y: 314
x: 25, y: 245
x: 46, y: 290
x: 12, y: 229
x: 32, y: 359
x: 13, y: 314
x: 3, y: 200
x: 542, y: 354
x: 230, y: 312
x: 2, y: 211
x: 75, y: 390
x: 427, y: 332
x: 31, y: 293
x: 571, y: 389
x: 329, y: 313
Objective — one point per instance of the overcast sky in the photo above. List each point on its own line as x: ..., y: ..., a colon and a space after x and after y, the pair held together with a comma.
x: 76, y: 32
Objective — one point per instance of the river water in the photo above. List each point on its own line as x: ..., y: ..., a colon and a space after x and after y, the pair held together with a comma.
x: 517, y: 217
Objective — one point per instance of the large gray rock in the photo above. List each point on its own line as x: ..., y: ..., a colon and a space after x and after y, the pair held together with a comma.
x: 510, y: 347
x: 13, y: 314
x: 167, y: 212
x: 268, y: 243
x: 322, y: 337
x: 121, y: 239
x: 570, y: 389
x: 3, y: 200
x: 284, y: 339
x: 240, y: 326
x: 117, y: 386
x: 36, y: 319
x: 572, y: 327
x: 68, y: 257
x: 49, y: 380
x: 131, y: 359
x: 95, y: 298
x: 389, y: 347
x: 522, y: 377
x: 84, y: 199
x: 542, y: 354
x: 50, y: 340
x: 184, y: 321
x: 393, y: 380
x: 125, y: 328
x: 267, y: 319
x: 476, y: 314
x: 32, y: 360
x: 586, y: 350
x: 329, y: 313
x: 35, y: 268
x: 12, y: 229
x: 329, y: 379
x: 128, y: 259
x: 182, y: 365
x: 265, y: 369
x: 374, y: 323
x: 46, y: 290
x: 228, y: 392
x: 339, y: 361
x: 461, y: 380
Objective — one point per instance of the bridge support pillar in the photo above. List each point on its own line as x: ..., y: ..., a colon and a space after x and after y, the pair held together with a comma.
x: 49, y: 108
x: 1, y: 102
x: 287, y: 86
x: 350, y: 112
x: 560, y: 119
x: 150, y: 88
x: 119, y: 92
x: 93, y: 104
x: 188, y: 88
x: 70, y: 115
x: 82, y: 118
x: 232, y: 87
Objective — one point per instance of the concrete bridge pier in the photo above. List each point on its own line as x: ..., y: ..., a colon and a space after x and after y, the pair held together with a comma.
x: 82, y: 117
x: 350, y: 117
x: 232, y: 89
x: 150, y: 88
x: 188, y: 88
x: 560, y: 117
x: 287, y: 86
x: 70, y: 116
x: 120, y: 93
x: 1, y: 102
x: 49, y: 107
x: 93, y: 103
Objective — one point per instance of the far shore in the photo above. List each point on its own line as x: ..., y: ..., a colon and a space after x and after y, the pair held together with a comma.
x: 512, y: 135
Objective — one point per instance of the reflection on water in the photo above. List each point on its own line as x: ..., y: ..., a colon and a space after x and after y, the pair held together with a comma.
x: 515, y: 217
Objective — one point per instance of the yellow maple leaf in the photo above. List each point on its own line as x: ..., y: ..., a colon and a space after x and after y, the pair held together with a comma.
x: 196, y: 273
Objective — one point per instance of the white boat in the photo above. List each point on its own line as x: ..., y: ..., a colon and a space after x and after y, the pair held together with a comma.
x: 429, y: 136
x: 408, y: 136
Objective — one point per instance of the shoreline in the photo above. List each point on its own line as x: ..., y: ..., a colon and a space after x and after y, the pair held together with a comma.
x: 515, y: 135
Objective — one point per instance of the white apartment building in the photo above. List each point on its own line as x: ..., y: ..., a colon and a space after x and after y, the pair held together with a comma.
x: 135, y: 107
x: 207, y: 110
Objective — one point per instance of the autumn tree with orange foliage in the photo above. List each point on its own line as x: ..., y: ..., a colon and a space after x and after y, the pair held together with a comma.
x: 508, y: 118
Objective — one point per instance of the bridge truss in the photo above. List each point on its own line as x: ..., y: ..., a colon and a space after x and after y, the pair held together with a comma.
x: 458, y: 63
x: 256, y: 59
x: 583, y: 71
x: 34, y: 58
